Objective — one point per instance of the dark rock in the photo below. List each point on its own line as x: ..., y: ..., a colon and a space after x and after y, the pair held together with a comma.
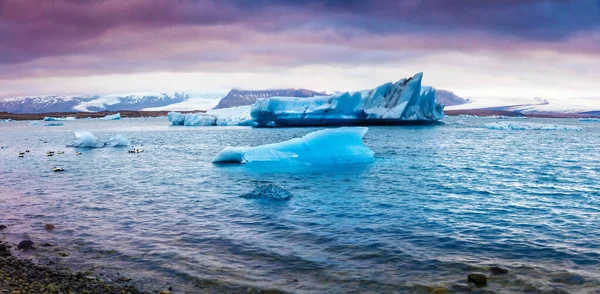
x: 478, y: 279
x: 3, y: 227
x: 497, y: 270
x: 49, y: 227
x: 270, y: 191
x: 25, y: 245
x: 62, y: 254
x: 4, y: 251
x: 48, y: 245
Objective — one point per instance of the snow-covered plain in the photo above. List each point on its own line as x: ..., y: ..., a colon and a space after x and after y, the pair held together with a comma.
x: 532, y: 105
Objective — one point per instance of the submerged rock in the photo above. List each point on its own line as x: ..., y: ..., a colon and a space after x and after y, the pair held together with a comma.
x: 3, y: 227
x: 25, y: 245
x: 49, y: 227
x: 269, y: 191
x: 498, y: 270
x: 478, y: 279
x: 440, y: 290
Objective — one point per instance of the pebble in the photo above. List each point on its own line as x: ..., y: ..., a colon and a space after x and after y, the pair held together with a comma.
x: 25, y: 245
x: 478, y: 279
x: 62, y: 254
x: 49, y: 227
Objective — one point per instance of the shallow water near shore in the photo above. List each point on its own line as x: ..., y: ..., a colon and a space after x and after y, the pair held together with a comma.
x: 437, y: 203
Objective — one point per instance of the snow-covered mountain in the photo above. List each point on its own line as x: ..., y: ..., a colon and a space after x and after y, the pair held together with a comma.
x: 173, y: 101
x: 43, y: 104
x: 237, y: 97
x: 241, y: 98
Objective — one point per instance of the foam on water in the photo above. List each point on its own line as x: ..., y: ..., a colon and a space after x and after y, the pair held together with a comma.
x: 521, y: 126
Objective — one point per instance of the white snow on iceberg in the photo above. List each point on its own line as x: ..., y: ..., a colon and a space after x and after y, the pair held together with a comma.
x: 520, y: 126
x: 116, y: 116
x: 88, y: 140
x: 328, y: 146
x: 391, y: 103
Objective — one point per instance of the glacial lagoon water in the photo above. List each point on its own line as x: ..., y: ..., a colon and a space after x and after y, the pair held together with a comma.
x: 437, y: 203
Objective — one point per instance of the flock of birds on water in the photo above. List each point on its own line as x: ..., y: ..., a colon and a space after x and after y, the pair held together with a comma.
x: 51, y: 153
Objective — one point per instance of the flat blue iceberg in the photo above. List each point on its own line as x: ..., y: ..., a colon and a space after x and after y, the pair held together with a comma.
x: 88, y: 140
x: 116, y: 116
x: 402, y: 102
x: 191, y: 119
x: 329, y: 146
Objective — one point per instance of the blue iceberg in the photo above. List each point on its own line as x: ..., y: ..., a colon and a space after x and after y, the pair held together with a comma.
x: 116, y: 116
x: 402, y: 102
x: 191, y: 119
x: 329, y: 146
x: 88, y: 140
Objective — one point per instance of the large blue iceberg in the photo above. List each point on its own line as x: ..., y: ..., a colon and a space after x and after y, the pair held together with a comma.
x: 402, y: 102
x: 329, y: 146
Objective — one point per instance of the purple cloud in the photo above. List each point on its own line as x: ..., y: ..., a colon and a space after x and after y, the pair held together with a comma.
x: 112, y: 36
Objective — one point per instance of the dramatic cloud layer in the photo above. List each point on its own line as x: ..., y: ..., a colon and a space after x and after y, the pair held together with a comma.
x: 488, y: 41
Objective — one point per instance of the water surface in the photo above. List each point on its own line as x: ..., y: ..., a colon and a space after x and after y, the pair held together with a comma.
x: 437, y: 203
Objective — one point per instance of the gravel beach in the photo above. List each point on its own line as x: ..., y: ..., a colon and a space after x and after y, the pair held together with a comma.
x: 24, y: 276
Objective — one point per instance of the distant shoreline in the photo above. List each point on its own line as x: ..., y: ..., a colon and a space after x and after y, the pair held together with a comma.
x: 124, y: 113
x: 490, y: 112
x: 134, y: 113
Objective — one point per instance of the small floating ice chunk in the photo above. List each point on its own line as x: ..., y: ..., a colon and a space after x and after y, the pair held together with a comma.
x: 118, y: 141
x: 512, y: 125
x: 270, y: 191
x: 116, y: 116
x: 49, y: 118
x: 191, y: 119
x: 35, y: 124
x: 53, y: 125
x: 86, y: 140
x: 589, y: 119
x: 328, y: 146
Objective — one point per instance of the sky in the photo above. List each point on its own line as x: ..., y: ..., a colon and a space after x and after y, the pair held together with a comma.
x: 476, y: 48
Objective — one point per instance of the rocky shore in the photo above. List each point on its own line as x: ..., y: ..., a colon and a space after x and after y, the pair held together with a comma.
x: 25, y: 276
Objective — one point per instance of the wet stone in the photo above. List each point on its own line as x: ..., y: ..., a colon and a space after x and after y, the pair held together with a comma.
x: 49, y: 227
x: 497, y: 270
x: 25, y: 245
x: 478, y: 279
x: 3, y: 227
